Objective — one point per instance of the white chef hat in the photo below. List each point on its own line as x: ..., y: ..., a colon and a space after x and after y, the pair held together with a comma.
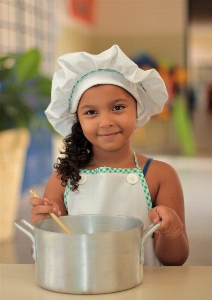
x: 81, y: 70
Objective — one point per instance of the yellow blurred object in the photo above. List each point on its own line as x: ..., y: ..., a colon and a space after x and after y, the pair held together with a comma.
x: 169, y: 83
x: 138, y: 137
x: 13, y: 148
x: 154, y: 134
x: 165, y: 64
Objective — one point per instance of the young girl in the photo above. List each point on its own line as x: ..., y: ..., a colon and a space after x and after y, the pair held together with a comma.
x: 97, y: 103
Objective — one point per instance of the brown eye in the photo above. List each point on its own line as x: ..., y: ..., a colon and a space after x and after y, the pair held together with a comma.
x: 91, y: 112
x: 117, y: 107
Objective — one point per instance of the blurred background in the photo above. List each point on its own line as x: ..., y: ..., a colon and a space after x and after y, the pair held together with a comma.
x: 175, y: 37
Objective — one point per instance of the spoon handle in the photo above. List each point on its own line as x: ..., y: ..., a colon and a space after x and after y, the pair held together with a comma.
x: 61, y: 224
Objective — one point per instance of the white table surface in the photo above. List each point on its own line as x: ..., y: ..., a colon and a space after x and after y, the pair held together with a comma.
x: 18, y: 282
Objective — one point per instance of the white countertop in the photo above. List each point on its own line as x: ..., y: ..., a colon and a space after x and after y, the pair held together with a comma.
x: 18, y: 282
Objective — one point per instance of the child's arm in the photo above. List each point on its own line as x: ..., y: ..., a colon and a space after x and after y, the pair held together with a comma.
x: 52, y: 201
x: 171, y: 242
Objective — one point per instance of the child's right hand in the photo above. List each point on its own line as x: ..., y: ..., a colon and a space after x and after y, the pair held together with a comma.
x: 41, y: 209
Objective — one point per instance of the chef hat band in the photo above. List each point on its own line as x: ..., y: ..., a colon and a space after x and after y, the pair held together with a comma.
x: 96, y: 77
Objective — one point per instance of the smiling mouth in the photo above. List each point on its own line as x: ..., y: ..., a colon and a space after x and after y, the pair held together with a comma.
x: 111, y: 134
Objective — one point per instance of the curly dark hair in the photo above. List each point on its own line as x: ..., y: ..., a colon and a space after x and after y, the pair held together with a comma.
x: 77, y: 153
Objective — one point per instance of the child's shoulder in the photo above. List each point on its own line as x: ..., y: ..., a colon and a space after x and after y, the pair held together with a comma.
x: 157, y: 167
x: 54, y: 184
x: 162, y: 179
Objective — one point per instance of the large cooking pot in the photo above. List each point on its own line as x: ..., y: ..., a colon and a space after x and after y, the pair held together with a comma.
x: 103, y: 254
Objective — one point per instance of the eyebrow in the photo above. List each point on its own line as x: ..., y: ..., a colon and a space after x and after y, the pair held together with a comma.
x: 111, y: 102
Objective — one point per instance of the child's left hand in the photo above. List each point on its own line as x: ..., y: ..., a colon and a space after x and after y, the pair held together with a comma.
x: 171, y: 226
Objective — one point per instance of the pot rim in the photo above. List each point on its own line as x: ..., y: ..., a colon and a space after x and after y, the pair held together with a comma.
x: 95, y: 233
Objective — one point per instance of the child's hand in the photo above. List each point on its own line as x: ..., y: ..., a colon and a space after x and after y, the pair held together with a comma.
x: 41, y: 209
x: 171, y: 225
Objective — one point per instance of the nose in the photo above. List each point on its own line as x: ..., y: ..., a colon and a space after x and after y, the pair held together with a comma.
x: 106, y: 120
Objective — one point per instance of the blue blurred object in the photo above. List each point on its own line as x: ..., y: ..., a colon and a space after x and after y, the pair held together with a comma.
x: 39, y: 163
x: 144, y: 59
x: 3, y: 86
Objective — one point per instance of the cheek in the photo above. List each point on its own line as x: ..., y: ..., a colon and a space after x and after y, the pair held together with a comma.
x: 82, y: 121
x: 87, y: 128
x: 135, y: 110
x: 133, y: 119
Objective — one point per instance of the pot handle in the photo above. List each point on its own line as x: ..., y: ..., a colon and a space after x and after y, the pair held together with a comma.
x: 147, y: 232
x: 34, y: 255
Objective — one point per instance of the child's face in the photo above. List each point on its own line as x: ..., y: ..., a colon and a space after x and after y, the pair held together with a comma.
x: 107, y: 114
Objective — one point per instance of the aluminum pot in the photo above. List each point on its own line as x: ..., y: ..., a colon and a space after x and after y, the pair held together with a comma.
x: 103, y: 254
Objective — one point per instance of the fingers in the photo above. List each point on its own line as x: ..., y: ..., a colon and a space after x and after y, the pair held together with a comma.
x: 36, y: 218
x: 41, y: 208
x: 44, y: 209
x: 154, y: 216
x: 35, y: 201
x: 171, y: 225
x: 39, y: 201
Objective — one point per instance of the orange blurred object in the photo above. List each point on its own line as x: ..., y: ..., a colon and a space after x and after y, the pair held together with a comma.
x: 83, y: 10
x: 180, y: 76
x: 165, y: 114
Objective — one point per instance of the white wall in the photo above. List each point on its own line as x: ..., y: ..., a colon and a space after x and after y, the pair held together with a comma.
x: 200, y: 43
x: 200, y: 60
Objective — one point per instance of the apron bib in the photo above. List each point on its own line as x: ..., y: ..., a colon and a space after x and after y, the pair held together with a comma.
x: 113, y: 191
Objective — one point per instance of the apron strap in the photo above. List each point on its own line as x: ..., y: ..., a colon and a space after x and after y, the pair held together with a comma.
x: 147, y: 166
x: 136, y: 161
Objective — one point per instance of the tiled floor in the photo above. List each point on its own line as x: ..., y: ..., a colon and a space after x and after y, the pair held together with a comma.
x: 196, y: 178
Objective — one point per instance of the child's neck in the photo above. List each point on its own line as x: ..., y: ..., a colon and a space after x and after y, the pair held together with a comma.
x: 113, y: 159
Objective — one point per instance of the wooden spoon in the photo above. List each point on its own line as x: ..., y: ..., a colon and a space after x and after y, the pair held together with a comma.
x: 53, y: 215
